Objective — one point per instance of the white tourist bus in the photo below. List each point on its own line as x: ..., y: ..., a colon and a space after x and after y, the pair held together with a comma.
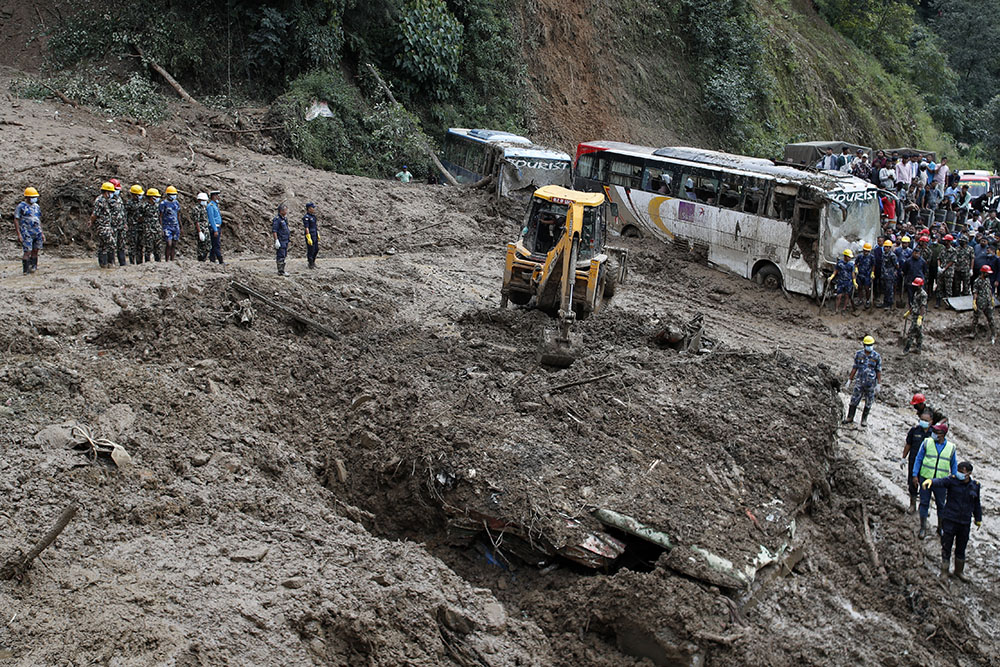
x: 781, y: 226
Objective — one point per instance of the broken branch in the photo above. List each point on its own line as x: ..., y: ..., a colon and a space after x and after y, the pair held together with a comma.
x: 54, y: 163
x: 59, y: 94
x: 166, y: 76
x: 18, y: 566
x: 302, y: 319
x: 580, y: 382
x: 250, y: 131
x: 217, y: 158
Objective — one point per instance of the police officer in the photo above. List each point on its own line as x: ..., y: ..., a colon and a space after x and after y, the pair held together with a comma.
x: 913, y: 268
x: 918, y: 308
x: 153, y: 232
x: 983, y: 302
x: 102, y: 216
x: 312, y: 234
x: 28, y: 223
x: 843, y: 281
x: 890, y: 267
x: 963, y: 504
x: 118, y: 221
x: 280, y: 231
x: 866, y: 376
x: 946, y: 269
x: 170, y: 222
x: 215, y: 226
x: 864, y: 270
x: 935, y: 460
x: 133, y: 224
x: 963, y: 267
x: 914, y: 437
x: 199, y: 218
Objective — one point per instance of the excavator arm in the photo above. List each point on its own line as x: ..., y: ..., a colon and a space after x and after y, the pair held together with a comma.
x: 560, y: 265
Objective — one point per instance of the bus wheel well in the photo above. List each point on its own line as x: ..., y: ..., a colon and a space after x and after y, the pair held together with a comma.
x: 631, y: 232
x: 767, y: 274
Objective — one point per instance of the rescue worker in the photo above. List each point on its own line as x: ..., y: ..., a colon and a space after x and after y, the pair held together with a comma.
x: 946, y: 269
x: 890, y: 267
x: 935, y: 460
x: 843, y: 281
x: 280, y: 231
x: 914, y: 437
x: 312, y: 234
x: 918, y: 308
x: 118, y: 221
x: 199, y: 218
x: 133, y: 224
x: 963, y: 504
x: 28, y: 224
x: 866, y: 376
x: 983, y: 302
x: 102, y: 216
x: 920, y: 405
x: 215, y: 226
x: 865, y: 273
x: 170, y: 223
x: 913, y: 268
x: 153, y: 232
x: 963, y: 267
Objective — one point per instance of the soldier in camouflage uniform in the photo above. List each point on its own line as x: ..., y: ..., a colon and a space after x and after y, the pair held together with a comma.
x: 963, y: 268
x: 867, y: 376
x: 946, y: 269
x: 133, y: 222
x: 118, y: 222
x: 199, y: 216
x: 151, y: 230
x: 918, y: 308
x: 982, y: 302
x: 102, y: 220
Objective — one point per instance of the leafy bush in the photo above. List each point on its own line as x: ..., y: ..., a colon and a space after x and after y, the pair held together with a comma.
x: 430, y: 45
x: 135, y: 98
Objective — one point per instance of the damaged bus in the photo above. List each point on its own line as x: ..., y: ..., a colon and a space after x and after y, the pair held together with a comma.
x: 781, y: 226
x: 512, y: 162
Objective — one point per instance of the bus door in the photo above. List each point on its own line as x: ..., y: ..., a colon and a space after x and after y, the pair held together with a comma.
x: 804, y: 243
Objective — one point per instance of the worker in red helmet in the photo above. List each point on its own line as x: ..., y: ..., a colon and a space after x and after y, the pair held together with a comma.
x: 935, y: 460
x: 914, y: 437
x: 918, y: 308
x: 920, y: 405
x: 983, y: 302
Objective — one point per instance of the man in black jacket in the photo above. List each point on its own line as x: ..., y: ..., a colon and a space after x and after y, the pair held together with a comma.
x: 914, y: 437
x: 962, y: 505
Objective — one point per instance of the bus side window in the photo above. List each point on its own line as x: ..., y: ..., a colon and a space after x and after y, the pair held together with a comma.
x: 753, y: 196
x: 623, y: 174
x: 784, y: 206
x: 658, y: 181
x: 585, y: 166
x: 730, y: 193
x: 704, y: 189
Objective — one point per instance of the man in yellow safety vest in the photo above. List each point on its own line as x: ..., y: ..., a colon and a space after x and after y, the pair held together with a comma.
x: 935, y: 460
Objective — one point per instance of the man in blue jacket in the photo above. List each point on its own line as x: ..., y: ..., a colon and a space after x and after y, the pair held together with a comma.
x: 215, y: 226
x: 935, y: 460
x: 963, y: 504
x: 312, y: 234
x: 282, y: 235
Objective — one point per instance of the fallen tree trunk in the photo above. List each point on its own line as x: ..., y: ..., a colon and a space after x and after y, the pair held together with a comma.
x: 18, y: 566
x: 59, y: 94
x: 166, y: 76
x: 54, y: 163
x: 302, y: 319
x: 423, y: 143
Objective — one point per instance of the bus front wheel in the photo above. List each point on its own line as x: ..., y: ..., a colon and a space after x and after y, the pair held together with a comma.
x: 769, y: 277
x: 631, y: 232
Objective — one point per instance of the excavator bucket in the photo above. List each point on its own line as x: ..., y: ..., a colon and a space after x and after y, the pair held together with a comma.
x: 555, y: 350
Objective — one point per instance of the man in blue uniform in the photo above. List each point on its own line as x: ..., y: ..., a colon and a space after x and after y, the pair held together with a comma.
x: 279, y: 229
x: 963, y: 504
x: 843, y: 281
x: 215, y: 226
x: 28, y: 223
x: 312, y: 234
x: 935, y: 460
x: 170, y: 222
x: 866, y: 376
x: 864, y: 267
x: 890, y: 267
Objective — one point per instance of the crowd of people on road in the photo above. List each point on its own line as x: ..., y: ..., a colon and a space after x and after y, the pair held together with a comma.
x: 929, y: 461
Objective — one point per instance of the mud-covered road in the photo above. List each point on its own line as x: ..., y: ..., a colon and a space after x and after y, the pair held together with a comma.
x: 300, y: 498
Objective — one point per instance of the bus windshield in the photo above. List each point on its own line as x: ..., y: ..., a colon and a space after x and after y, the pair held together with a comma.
x: 976, y: 188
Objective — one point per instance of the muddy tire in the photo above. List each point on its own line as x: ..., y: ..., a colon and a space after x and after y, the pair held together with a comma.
x: 519, y: 298
x: 611, y: 283
x: 769, y: 277
x: 631, y: 232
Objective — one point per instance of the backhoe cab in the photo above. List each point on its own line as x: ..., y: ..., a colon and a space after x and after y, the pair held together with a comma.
x: 560, y: 264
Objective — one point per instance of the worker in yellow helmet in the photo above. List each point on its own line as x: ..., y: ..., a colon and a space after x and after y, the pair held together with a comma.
x: 28, y: 224
x: 102, y: 220
x: 866, y: 377
x: 152, y: 231
x: 133, y: 224
x: 843, y: 281
x: 170, y: 221
x: 864, y: 272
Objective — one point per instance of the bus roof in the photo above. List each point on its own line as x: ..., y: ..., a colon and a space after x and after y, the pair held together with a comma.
x: 973, y: 174
x: 513, y: 145
x: 617, y: 146
x: 490, y: 136
x: 536, y: 152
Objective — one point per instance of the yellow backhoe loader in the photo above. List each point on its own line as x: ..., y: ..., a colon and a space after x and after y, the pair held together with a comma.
x: 561, y: 264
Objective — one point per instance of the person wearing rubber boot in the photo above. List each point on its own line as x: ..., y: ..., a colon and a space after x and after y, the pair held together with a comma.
x: 890, y: 269
x: 312, y: 234
x: 199, y: 218
x: 101, y: 219
x: 918, y: 308
x: 866, y: 376
x: 963, y: 505
x: 935, y: 460
x: 983, y: 302
x: 215, y: 226
x: 279, y: 229
x: 152, y: 232
x: 865, y: 271
x: 133, y: 224
x: 118, y: 221
x: 946, y: 269
x: 170, y: 222
x: 28, y: 224
x: 914, y: 437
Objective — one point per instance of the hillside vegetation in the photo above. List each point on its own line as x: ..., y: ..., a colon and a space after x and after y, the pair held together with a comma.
x: 740, y: 75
